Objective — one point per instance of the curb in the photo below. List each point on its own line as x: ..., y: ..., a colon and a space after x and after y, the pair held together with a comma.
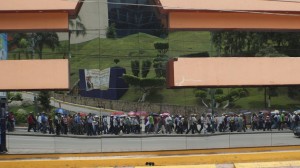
x: 145, y: 135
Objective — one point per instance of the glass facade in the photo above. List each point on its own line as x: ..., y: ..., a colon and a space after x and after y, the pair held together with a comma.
x: 140, y: 23
x: 133, y: 16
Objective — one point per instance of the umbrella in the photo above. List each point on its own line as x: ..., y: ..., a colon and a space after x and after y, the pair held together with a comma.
x: 297, y: 112
x: 165, y: 114
x: 264, y: 111
x: 142, y: 113
x: 248, y: 112
x: 244, y: 111
x: 117, y: 113
x: 132, y: 113
x: 82, y: 114
x: 154, y: 114
x: 61, y: 111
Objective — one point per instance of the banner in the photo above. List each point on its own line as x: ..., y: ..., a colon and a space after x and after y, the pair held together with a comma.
x: 3, y: 54
x: 97, y: 79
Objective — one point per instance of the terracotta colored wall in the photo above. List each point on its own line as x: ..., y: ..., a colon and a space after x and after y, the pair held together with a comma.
x: 221, y: 20
x: 34, y: 21
x: 241, y: 71
x: 34, y: 74
x: 230, y: 5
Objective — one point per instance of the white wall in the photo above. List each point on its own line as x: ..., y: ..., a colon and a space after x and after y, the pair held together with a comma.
x: 94, y: 15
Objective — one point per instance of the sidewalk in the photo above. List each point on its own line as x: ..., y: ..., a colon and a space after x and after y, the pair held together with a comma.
x: 22, y: 131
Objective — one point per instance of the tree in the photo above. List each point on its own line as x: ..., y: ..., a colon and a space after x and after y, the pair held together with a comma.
x: 135, y: 68
x: 20, y: 43
x: 116, y: 61
x: 144, y: 84
x: 146, y: 66
x: 161, y: 47
x: 160, y: 62
x: 214, y: 98
x: 42, y: 39
x: 44, y: 99
x: 111, y: 31
x: 80, y: 28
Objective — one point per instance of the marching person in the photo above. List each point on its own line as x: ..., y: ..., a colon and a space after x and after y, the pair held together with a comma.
x: 31, y: 122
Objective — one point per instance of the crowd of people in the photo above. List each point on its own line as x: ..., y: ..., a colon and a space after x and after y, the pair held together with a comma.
x: 159, y: 124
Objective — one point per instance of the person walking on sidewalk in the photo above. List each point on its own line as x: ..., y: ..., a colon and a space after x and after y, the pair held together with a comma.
x: 31, y: 122
x: 89, y: 125
x: 50, y: 122
x: 193, y: 124
x: 57, y: 123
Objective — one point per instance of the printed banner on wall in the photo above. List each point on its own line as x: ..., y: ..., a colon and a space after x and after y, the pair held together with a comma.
x: 97, y: 79
x: 3, y: 54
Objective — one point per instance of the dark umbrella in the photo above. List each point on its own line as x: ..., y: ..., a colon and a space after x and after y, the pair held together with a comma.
x: 154, y: 114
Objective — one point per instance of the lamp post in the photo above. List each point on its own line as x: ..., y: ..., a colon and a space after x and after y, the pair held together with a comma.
x: 212, y: 95
x: 3, y: 104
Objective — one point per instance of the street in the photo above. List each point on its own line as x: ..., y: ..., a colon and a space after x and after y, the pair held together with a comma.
x: 69, y: 107
x: 40, y: 144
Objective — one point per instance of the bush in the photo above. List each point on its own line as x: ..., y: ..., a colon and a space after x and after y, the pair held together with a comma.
x: 15, y: 96
x: 21, y: 116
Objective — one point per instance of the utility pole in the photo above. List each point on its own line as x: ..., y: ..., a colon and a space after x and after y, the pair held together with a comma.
x: 212, y: 94
x: 3, y: 106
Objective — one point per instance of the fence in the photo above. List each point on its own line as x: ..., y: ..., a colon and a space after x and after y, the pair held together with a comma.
x: 137, y: 106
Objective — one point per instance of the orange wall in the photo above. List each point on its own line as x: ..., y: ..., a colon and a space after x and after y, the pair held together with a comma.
x: 221, y: 20
x: 34, y: 22
x: 34, y: 74
x: 234, y: 71
x: 284, y: 6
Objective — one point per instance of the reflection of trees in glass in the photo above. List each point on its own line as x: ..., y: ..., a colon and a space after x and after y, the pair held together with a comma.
x: 44, y: 99
x: 135, y: 68
x: 235, y: 43
x: 144, y: 84
x: 160, y: 62
x: 42, y: 39
x: 77, y: 27
x: 111, y: 31
x: 207, y: 96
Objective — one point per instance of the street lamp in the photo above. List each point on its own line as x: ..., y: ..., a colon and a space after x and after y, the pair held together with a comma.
x: 212, y: 95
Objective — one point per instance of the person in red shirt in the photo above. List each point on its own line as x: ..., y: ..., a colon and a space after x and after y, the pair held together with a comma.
x: 31, y: 122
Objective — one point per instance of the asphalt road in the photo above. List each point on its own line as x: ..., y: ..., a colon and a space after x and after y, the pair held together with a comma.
x: 39, y: 144
x: 69, y: 107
